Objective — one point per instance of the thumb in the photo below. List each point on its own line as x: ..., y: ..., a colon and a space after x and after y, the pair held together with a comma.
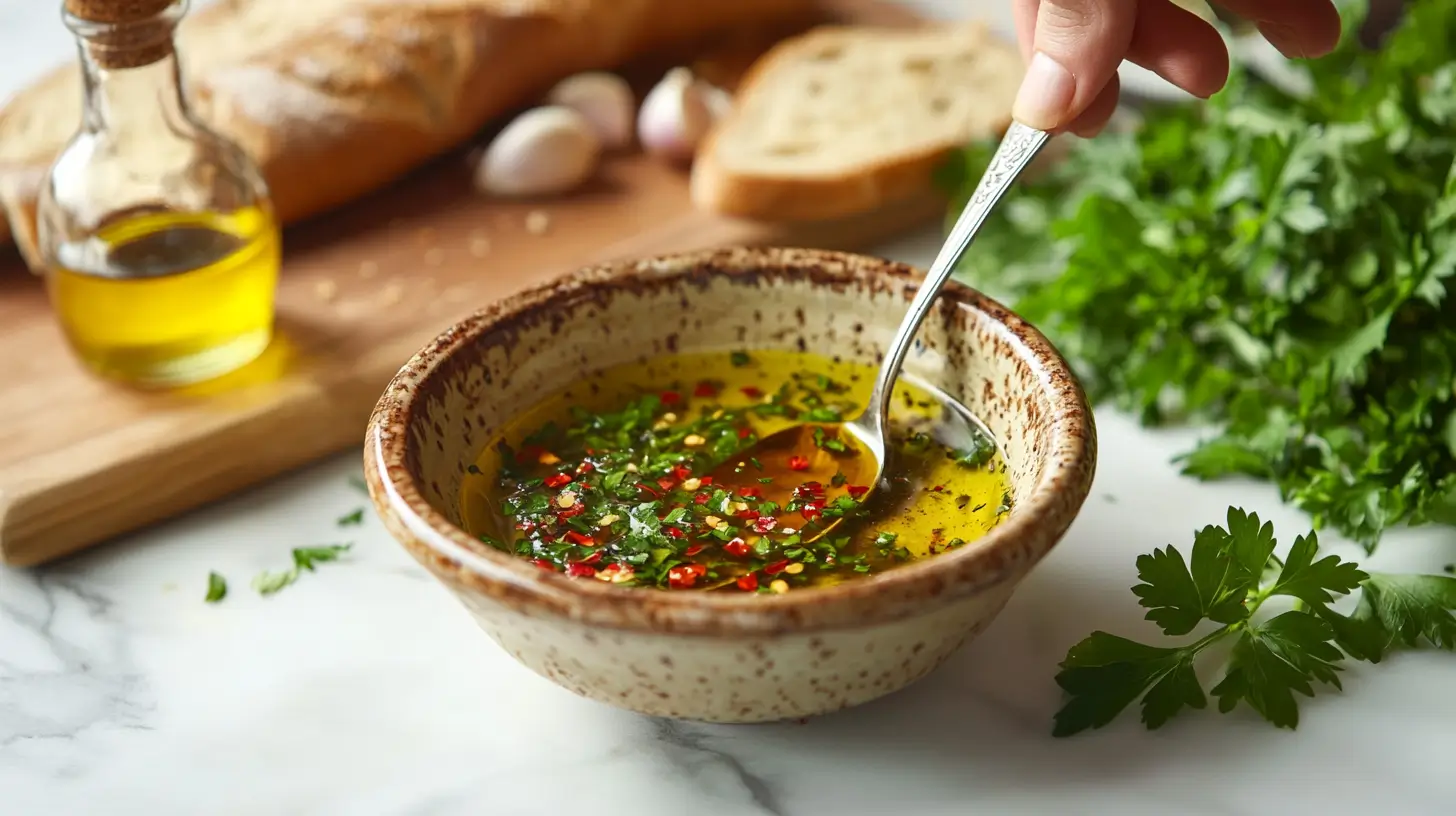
x: 1076, y: 48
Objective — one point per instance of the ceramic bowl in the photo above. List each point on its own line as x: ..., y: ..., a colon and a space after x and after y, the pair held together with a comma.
x: 725, y: 657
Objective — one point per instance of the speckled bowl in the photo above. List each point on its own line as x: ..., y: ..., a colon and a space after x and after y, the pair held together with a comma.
x: 717, y: 656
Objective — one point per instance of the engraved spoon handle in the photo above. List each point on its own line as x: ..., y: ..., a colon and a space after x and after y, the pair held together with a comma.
x: 1018, y: 147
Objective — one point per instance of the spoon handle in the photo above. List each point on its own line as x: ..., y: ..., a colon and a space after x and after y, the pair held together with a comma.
x: 1018, y: 147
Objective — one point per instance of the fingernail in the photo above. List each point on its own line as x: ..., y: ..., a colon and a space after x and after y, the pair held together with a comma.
x: 1285, y: 38
x: 1046, y: 94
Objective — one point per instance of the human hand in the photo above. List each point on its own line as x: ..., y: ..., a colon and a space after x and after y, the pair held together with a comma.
x: 1073, y: 48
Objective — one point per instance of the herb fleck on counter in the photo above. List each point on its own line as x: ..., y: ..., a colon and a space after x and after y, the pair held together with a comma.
x: 216, y: 588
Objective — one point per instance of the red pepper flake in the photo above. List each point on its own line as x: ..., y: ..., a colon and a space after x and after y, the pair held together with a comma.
x: 706, y: 480
x: 673, y: 532
x: 809, y: 490
x: 670, y: 397
x: 857, y: 491
x: 580, y: 540
x: 571, y: 512
x: 529, y: 453
x: 581, y: 570
x: 745, y: 432
x: 544, y: 564
x: 763, y: 524
x: 737, y: 548
x: 749, y: 514
x: 585, y: 468
x: 748, y: 583
x: 938, y: 488
x: 683, y: 576
x: 693, y: 550
x: 557, y: 480
x: 665, y: 483
x: 751, y: 492
x: 594, y: 558
x: 705, y: 389
x: 646, y: 488
x: 681, y: 472
x: 811, y: 511
x: 776, y: 567
x: 701, y: 498
x: 797, y: 462
x: 752, y: 392
x: 526, y: 527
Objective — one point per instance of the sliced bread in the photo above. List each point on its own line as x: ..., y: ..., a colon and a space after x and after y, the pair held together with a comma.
x: 844, y: 120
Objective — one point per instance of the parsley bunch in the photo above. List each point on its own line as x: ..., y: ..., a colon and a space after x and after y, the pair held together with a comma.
x: 1275, y: 266
x: 1231, y: 573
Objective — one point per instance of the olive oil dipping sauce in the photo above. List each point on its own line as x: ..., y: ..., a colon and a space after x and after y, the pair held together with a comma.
x: 610, y: 479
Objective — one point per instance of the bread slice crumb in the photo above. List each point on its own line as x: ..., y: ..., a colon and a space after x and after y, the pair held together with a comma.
x: 844, y: 120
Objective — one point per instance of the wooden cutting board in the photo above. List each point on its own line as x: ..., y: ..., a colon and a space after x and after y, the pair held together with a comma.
x: 362, y: 289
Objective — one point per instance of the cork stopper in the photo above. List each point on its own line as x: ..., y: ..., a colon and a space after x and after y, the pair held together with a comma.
x: 126, y: 33
x: 116, y: 11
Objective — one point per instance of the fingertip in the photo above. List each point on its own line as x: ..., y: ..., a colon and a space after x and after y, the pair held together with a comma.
x: 1095, y: 118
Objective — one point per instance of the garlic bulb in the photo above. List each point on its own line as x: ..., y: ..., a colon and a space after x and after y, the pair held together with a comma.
x: 677, y: 113
x: 605, y: 100
x: 543, y: 151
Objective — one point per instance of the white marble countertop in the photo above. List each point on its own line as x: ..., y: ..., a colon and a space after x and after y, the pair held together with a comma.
x: 366, y: 689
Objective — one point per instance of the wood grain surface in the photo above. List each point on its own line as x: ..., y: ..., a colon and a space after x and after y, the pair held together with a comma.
x: 362, y: 289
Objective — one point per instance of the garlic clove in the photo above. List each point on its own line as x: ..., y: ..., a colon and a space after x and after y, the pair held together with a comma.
x: 543, y: 151
x: 677, y: 113
x: 606, y: 101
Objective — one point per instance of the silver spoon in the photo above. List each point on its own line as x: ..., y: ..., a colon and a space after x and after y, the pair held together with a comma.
x: 1018, y: 147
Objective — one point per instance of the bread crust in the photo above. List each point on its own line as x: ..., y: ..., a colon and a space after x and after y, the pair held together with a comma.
x: 363, y: 91
x: 891, y: 178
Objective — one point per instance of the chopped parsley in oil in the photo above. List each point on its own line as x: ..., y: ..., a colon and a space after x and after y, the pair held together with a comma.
x: 619, y: 487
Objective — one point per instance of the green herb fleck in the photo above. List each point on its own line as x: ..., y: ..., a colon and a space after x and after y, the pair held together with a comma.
x: 352, y: 519
x: 216, y: 588
x: 304, y: 558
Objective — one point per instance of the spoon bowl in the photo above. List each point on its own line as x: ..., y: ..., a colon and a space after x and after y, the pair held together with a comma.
x: 865, y: 438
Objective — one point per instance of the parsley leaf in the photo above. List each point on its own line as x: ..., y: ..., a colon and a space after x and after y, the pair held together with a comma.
x: 1106, y: 673
x: 267, y: 583
x: 1413, y: 608
x: 1232, y: 573
x: 304, y: 558
x: 1273, y: 660
x: 1315, y: 582
x: 352, y: 519
x: 216, y: 588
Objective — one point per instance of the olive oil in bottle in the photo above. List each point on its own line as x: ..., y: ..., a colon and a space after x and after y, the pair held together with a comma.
x: 165, y: 298
x: 158, y: 241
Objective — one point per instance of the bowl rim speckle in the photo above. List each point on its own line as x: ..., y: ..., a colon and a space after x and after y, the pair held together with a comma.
x: 1008, y: 551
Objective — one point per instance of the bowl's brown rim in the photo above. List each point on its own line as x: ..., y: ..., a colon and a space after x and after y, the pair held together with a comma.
x: 1008, y: 551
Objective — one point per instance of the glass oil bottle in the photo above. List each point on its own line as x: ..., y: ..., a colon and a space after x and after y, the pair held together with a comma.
x: 159, y: 243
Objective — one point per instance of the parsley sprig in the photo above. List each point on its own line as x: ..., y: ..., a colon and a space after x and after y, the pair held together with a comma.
x: 1231, y: 573
x: 1279, y: 267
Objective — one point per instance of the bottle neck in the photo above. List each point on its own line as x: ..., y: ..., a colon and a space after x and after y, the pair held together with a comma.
x: 123, y: 99
x: 130, y: 76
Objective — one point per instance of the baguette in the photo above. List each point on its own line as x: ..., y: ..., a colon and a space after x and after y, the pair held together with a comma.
x: 843, y: 120
x: 335, y: 98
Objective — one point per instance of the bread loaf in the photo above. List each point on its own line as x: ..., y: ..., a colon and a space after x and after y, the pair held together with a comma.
x: 843, y: 120
x: 335, y: 98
